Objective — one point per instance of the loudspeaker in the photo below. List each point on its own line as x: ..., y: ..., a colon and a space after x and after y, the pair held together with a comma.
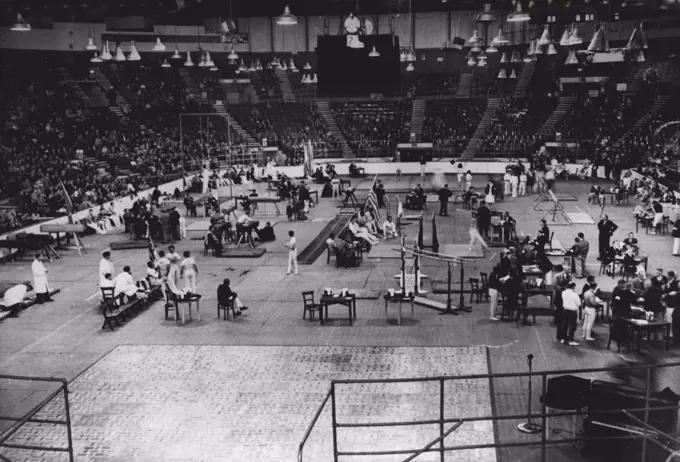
x: 606, y: 396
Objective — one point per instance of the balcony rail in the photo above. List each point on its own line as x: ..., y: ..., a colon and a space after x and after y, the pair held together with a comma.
x: 645, y: 432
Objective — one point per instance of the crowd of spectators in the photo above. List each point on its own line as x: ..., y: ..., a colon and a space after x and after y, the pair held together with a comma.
x: 288, y: 126
x: 450, y: 124
x: 373, y: 127
x: 514, y: 129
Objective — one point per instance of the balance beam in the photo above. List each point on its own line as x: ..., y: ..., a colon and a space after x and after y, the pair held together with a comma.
x: 439, y: 306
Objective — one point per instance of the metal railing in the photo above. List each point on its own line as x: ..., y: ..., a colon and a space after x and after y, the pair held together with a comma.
x: 646, y: 432
x: 30, y: 418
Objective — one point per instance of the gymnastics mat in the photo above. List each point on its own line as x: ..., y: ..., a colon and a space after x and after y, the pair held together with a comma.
x: 579, y: 218
x: 127, y: 245
x: 257, y: 252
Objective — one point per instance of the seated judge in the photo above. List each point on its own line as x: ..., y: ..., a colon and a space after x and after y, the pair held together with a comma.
x: 266, y: 234
x: 361, y: 232
x: 370, y: 222
x: 213, y: 242
x: 244, y: 226
x: 225, y: 295
x: 389, y: 228
x: 124, y: 284
x: 631, y: 242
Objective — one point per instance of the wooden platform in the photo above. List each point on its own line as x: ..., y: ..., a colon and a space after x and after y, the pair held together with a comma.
x: 257, y: 252
x: 127, y: 245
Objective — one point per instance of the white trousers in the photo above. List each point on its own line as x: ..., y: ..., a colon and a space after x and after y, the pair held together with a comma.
x: 506, y: 190
x: 669, y: 318
x: 190, y: 281
x: 588, y: 321
x: 493, y: 301
x: 513, y: 186
x: 422, y: 169
x: 523, y: 189
x: 336, y: 189
x: 676, y: 245
x: 292, y: 261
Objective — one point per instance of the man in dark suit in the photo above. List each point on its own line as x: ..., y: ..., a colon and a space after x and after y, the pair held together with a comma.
x: 543, y: 237
x: 606, y: 229
x: 483, y: 219
x: 444, y: 196
x: 580, y: 253
x: 225, y: 295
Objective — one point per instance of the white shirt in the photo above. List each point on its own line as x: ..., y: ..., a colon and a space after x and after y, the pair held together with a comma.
x: 105, y: 267
x: 522, y: 178
x: 513, y: 179
x: 188, y: 265
x: 14, y: 295
x: 292, y: 244
x: 243, y: 219
x: 506, y: 177
x: 468, y: 178
x: 163, y: 264
x: 389, y: 225
x: 174, y: 258
x: 571, y: 300
x: 124, y: 284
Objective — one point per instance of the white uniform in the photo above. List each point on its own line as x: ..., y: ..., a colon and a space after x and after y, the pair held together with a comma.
x: 105, y: 267
x: 188, y: 268
x: 39, y: 277
x: 506, y: 184
x: 292, y: 255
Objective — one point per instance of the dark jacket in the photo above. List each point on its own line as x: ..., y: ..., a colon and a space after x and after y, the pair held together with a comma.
x: 224, y: 294
x: 607, y: 229
x: 483, y: 215
x: 444, y: 194
x: 622, y: 300
x: 653, y: 300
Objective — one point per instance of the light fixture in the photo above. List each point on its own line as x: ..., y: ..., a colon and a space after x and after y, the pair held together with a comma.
x: 410, y: 67
x: 242, y: 67
x: 502, y: 74
x: 201, y: 62
x: 158, y: 46
x: 305, y: 79
x: 134, y: 54
x: 491, y: 49
x: 213, y: 68
x: 476, y: 49
x: 373, y: 54
x: 575, y: 37
x: 516, y: 58
x: 188, y: 62
x: 504, y: 58
x: 208, y: 60
x: 176, y: 54
x: 232, y: 54
x: 258, y: 65
x: 640, y: 58
x: 91, y: 45
x: 402, y: 56
x: 513, y: 74
x: 518, y: 15
x: 474, y: 39
x: 292, y: 67
x: 599, y: 42
x: 637, y: 40
x: 307, y: 67
x: 545, y: 39
x: 106, y: 53
x: 120, y: 56
x: 500, y: 39
x: 482, y: 61
x: 314, y: 79
x: 532, y: 48
x: 283, y: 65
x: 274, y: 62
x: 528, y: 58
x: 410, y: 55
x: 485, y: 17
x: 552, y: 51
x: 571, y: 59
x: 287, y: 18
x: 471, y: 62
x: 95, y: 59
x: 20, y: 25
x: 537, y: 48
x: 166, y: 64
x: 564, y: 41
x: 252, y: 68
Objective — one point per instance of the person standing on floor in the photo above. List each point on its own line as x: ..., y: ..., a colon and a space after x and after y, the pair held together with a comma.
x: 173, y: 271
x: 468, y: 180
x: 523, y: 184
x: 105, y: 266
x: 607, y: 229
x: 581, y: 249
x: 483, y: 219
x: 475, y: 236
x: 675, y: 232
x: 514, y: 184
x: 444, y: 196
x: 42, y: 289
x: 567, y: 327
x: 672, y: 297
x: 423, y: 165
x: 292, y: 252
x: 506, y: 183
x: 590, y: 312
x: 494, y: 288
x: 189, y: 271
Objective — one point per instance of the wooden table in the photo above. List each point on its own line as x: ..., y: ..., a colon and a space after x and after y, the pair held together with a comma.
x: 618, y: 260
x: 188, y: 302
x: 315, y: 194
x: 399, y: 298
x: 349, y: 301
x: 641, y: 325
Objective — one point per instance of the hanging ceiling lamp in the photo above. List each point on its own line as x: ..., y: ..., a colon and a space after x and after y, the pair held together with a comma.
x: 637, y: 40
x: 305, y: 79
x: 640, y: 58
x: 166, y: 64
x: 571, y: 59
x: 599, y: 42
x: 242, y: 67
x: 491, y: 49
x: 643, y: 38
x: 20, y: 24
x: 537, y: 48
x: 410, y: 55
x: 292, y: 67
x: 232, y: 53
x: 120, y: 56
x: 91, y: 46
x: 314, y: 79
x: 410, y: 67
x: 500, y: 39
x: 471, y: 62
x: 158, y: 46
x: 481, y: 62
x: 208, y: 60
x: 283, y: 65
x: 502, y: 74
x: 287, y: 18
x: 134, y: 54
x: 373, y: 53
x: 201, y: 61
x: 402, y: 56
x: 474, y: 39
x: 307, y: 67
x: 232, y: 62
x: 96, y: 59
x: 516, y: 58
x: 258, y: 65
x: 532, y: 48
x: 513, y: 74
x: 188, y: 62
x: 575, y: 37
x: 176, y: 54
x: 106, y: 53
x: 518, y: 15
x: 545, y: 39
x: 504, y: 58
x: 564, y: 41
x: 552, y: 51
x: 252, y: 67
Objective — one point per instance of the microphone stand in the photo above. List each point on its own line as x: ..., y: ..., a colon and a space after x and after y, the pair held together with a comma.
x: 529, y: 426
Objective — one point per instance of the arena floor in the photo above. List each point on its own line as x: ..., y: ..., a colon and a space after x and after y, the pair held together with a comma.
x: 245, y: 390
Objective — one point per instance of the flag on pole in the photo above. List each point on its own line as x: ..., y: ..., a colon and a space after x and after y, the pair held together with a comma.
x: 69, y: 203
x: 372, y: 200
x: 152, y: 250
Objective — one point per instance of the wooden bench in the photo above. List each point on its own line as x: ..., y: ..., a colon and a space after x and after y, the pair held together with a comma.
x: 114, y: 312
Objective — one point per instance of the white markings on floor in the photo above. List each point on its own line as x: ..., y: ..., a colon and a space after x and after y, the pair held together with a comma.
x: 91, y: 296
